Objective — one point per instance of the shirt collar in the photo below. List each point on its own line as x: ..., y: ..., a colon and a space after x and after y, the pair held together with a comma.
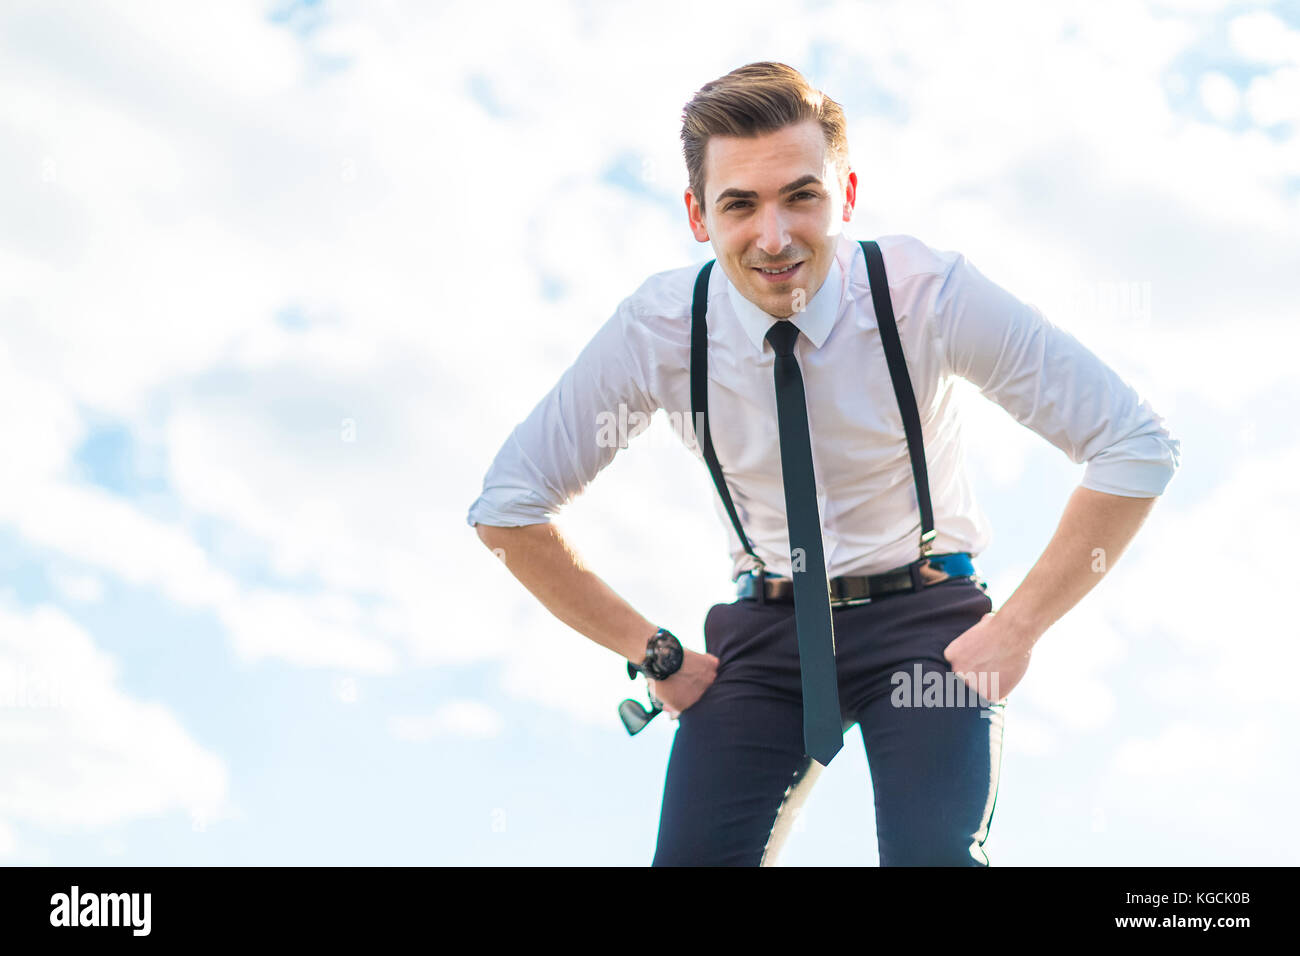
x: 814, y: 321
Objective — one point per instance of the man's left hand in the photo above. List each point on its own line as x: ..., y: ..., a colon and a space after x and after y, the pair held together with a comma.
x: 994, y: 650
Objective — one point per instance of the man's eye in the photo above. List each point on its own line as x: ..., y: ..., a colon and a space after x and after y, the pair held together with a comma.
x: 744, y: 202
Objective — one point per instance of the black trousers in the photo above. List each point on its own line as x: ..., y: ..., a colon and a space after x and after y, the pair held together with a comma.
x: 737, y: 772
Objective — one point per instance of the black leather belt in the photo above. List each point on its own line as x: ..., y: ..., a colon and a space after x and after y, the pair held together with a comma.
x: 847, y: 591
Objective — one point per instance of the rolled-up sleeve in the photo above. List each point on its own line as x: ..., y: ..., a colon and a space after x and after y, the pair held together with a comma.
x: 599, y: 402
x: 1051, y: 383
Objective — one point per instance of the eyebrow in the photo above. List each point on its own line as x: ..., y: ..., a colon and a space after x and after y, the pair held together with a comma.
x: 750, y: 194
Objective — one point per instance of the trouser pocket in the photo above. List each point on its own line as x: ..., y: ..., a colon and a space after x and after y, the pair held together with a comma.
x: 712, y: 636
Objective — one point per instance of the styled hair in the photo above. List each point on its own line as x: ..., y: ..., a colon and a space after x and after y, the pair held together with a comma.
x: 754, y: 99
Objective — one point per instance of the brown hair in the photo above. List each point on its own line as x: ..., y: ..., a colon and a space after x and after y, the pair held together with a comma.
x: 754, y: 99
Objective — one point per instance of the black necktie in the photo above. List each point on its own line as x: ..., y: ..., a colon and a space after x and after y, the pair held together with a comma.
x: 823, y: 733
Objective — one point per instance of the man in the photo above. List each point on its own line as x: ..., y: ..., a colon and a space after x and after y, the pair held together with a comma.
x: 822, y: 403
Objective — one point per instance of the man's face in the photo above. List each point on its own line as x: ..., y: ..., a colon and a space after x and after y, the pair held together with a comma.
x: 772, y: 201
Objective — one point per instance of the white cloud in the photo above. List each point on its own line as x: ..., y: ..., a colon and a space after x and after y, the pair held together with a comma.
x: 79, y: 588
x: 1264, y: 37
x: 89, y: 754
x: 1027, y: 734
x: 1184, y: 748
x: 1194, y: 773
x: 1067, y: 681
x: 1236, y: 525
x: 1275, y: 97
x: 1220, y: 96
x: 456, y: 718
x: 1214, y: 657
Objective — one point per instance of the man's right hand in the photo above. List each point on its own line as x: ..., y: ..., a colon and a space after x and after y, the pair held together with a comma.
x: 548, y: 565
x: 687, y: 685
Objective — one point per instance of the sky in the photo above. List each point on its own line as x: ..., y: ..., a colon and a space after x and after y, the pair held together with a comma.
x: 277, y: 279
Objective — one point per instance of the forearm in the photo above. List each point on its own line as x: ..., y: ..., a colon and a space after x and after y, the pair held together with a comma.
x: 548, y: 566
x: 1093, y: 532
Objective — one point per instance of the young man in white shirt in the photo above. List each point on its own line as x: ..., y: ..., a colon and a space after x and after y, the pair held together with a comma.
x: 770, y: 188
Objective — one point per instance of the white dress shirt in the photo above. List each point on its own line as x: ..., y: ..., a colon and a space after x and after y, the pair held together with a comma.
x: 952, y: 321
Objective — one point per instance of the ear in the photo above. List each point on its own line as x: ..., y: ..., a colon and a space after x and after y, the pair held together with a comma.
x: 695, y: 215
x: 850, y: 195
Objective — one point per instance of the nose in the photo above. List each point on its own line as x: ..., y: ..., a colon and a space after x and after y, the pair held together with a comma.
x: 773, y: 237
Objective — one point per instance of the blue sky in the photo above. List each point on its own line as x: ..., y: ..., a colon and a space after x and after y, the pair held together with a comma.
x: 277, y: 279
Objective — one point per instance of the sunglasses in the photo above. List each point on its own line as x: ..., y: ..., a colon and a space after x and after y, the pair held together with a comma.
x: 634, y: 716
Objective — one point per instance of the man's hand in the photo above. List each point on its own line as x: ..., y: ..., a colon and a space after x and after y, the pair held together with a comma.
x: 687, y: 685
x: 990, y: 648
x: 1094, y: 531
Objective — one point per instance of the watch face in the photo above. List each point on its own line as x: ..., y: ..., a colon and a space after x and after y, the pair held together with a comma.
x: 667, y: 654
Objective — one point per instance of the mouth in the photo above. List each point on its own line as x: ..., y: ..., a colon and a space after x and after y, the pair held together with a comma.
x: 781, y: 273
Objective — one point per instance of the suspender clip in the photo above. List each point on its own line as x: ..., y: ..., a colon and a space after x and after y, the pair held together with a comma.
x: 927, y: 542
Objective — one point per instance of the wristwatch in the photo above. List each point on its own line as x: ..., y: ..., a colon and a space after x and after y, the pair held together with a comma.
x: 663, y: 657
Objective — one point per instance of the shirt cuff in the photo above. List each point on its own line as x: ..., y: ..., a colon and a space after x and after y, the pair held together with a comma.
x: 1131, y: 473
x: 509, y: 512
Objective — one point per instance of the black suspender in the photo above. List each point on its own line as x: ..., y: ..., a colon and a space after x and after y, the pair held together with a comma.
x: 897, y: 374
x: 902, y: 387
x: 700, y: 402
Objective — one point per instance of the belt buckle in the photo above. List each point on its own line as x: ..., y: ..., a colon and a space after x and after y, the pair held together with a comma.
x: 924, y: 574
